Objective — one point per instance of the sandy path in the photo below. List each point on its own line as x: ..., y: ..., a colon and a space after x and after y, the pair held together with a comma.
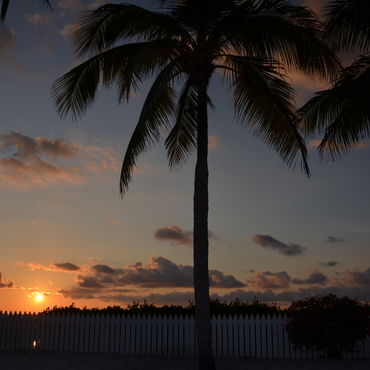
x: 38, y: 360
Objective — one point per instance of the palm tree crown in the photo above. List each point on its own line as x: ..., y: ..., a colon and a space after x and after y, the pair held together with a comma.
x: 180, y: 48
x: 342, y: 112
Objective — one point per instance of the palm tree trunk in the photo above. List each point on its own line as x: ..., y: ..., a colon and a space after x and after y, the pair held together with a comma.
x: 200, y: 251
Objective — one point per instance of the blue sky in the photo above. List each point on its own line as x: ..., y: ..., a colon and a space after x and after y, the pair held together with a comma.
x: 66, y: 233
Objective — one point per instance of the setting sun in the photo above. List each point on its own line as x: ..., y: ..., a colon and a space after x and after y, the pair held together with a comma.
x: 39, y: 297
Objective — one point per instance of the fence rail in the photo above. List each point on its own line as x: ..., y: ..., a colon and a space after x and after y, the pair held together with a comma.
x: 259, y: 337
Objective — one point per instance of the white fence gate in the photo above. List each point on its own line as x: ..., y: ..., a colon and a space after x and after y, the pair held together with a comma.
x: 260, y: 337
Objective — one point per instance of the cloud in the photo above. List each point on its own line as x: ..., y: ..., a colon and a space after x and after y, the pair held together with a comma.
x: 174, y: 234
x: 39, y: 19
x: 23, y: 146
x: 315, y: 278
x: 5, y: 284
x: 213, y: 142
x: 8, y: 41
x: 363, y: 144
x: 115, y: 222
x: 281, y: 280
x: 334, y: 239
x: 329, y: 263
x: 55, y: 267
x: 267, y: 241
x: 28, y: 162
x: 70, y: 7
x: 98, y: 159
x: 159, y: 272
x: 361, y: 278
x: 68, y: 30
x: 95, y: 4
x: 271, y: 280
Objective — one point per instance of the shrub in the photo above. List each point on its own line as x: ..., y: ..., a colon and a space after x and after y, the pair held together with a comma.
x: 327, y: 323
x: 235, y: 307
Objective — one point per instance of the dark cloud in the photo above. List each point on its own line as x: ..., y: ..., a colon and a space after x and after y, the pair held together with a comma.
x: 26, y: 162
x: 5, y: 284
x: 315, y: 278
x: 183, y: 297
x: 287, y: 296
x: 103, y: 269
x: 66, y: 266
x: 7, y: 41
x: 334, y: 239
x: 267, y: 241
x: 174, y: 234
x: 271, y: 280
x: 21, y: 146
x: 329, y: 263
x: 57, y: 267
x: 159, y: 272
x: 89, y: 282
x: 281, y: 280
x: 361, y: 278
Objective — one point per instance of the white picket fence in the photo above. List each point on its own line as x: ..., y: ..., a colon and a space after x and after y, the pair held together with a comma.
x: 256, y: 337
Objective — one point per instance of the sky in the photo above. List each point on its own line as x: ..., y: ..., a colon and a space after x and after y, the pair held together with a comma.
x: 66, y: 235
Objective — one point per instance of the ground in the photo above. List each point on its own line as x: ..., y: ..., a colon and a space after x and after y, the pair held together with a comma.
x: 39, y: 360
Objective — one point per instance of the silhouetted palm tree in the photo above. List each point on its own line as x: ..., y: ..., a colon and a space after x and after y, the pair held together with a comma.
x: 181, y: 47
x: 343, y: 111
x: 5, y: 6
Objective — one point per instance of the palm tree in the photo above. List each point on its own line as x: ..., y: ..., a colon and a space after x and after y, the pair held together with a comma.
x: 342, y: 112
x: 181, y: 48
x: 5, y: 6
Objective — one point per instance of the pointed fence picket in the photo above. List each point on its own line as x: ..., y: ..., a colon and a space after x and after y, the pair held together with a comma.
x: 259, y: 337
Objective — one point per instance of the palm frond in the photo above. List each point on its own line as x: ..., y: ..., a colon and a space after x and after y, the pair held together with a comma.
x: 4, y: 10
x: 291, y: 34
x: 127, y: 65
x: 182, y: 138
x: 342, y: 112
x: 99, y: 29
x: 347, y: 24
x: 264, y: 101
x: 158, y: 108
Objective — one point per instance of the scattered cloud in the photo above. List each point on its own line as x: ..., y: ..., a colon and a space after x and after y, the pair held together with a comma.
x: 159, y: 272
x: 361, y: 278
x: 28, y: 162
x: 271, y: 280
x: 8, y: 41
x: 115, y: 222
x: 70, y: 7
x: 213, y: 142
x: 334, y: 239
x: 174, y: 234
x: 281, y: 280
x: 39, y: 19
x: 315, y: 278
x: 55, y: 267
x: 267, y: 241
x: 363, y: 144
x: 5, y: 284
x: 68, y: 30
x: 95, y: 4
x: 329, y: 263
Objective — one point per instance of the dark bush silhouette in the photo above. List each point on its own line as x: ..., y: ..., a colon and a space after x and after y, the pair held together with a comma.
x: 327, y: 323
x: 235, y: 307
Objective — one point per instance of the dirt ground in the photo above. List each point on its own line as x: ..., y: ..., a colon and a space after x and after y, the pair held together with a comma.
x: 39, y: 360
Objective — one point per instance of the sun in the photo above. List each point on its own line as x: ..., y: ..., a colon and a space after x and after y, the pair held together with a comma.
x: 39, y: 297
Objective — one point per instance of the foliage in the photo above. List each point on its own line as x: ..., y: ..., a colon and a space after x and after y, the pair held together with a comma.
x: 235, y: 307
x: 327, y: 323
